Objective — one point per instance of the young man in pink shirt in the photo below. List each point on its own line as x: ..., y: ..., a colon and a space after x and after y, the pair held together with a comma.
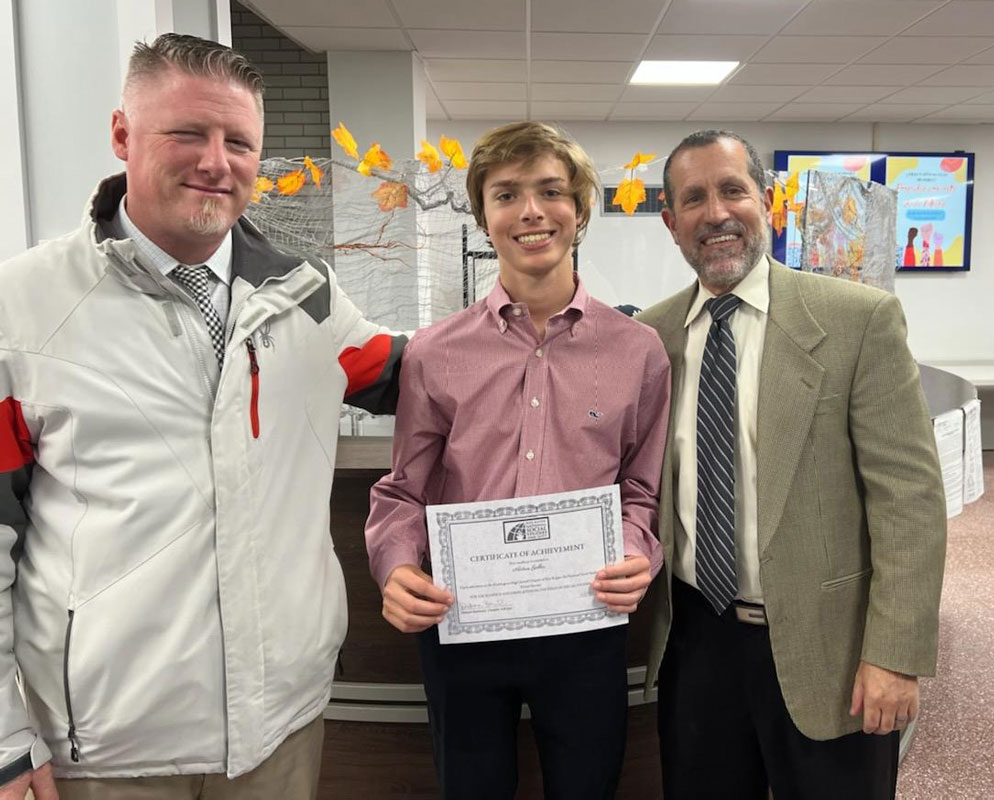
x: 536, y: 389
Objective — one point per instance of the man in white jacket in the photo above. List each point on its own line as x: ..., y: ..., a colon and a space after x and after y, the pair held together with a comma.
x: 170, y: 387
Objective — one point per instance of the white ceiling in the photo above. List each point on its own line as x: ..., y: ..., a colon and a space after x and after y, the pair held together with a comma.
x: 801, y: 60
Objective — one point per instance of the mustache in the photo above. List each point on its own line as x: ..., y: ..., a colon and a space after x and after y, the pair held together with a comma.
x: 728, y: 226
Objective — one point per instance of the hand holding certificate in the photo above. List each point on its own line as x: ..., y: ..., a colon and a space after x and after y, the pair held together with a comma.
x: 522, y: 567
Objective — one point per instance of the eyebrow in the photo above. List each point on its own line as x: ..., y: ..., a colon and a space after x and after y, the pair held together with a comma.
x: 505, y: 184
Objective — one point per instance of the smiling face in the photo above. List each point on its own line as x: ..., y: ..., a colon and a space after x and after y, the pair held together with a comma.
x: 191, y: 145
x: 531, y: 218
x: 720, y: 219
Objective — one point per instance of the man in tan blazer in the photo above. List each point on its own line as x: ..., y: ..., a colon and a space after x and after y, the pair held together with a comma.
x: 789, y: 630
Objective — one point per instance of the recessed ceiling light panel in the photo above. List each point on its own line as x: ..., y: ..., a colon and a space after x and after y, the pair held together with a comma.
x: 682, y: 73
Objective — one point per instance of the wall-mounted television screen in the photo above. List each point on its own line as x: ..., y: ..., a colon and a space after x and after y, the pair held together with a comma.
x: 934, y: 202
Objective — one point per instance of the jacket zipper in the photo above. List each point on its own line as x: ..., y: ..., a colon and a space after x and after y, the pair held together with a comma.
x: 73, y: 740
x: 254, y: 371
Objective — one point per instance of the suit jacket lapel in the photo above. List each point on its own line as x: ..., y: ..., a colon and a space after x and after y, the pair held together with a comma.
x: 789, y: 387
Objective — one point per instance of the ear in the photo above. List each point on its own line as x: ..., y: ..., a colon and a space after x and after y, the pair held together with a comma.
x: 119, y: 134
x: 768, y: 204
x: 670, y: 219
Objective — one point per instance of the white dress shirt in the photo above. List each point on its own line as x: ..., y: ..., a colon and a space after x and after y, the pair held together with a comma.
x: 219, y: 262
x: 748, y: 325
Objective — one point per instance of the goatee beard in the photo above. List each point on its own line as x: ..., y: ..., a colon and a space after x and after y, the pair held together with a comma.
x: 209, y: 221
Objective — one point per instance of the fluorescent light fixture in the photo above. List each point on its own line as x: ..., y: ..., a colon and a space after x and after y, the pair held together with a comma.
x: 682, y: 73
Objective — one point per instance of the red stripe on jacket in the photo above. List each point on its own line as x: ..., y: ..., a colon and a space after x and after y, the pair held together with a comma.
x: 364, y: 365
x: 15, y: 441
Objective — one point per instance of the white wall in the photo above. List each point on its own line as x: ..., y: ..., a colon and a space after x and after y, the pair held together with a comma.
x: 633, y: 260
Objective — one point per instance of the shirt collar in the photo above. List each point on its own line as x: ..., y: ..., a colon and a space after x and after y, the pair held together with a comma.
x: 499, y: 303
x: 753, y: 289
x: 219, y: 262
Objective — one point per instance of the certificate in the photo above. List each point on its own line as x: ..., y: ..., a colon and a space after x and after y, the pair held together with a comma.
x: 522, y: 567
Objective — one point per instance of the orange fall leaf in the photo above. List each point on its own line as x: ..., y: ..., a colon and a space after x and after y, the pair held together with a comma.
x: 316, y: 172
x: 374, y: 158
x: 640, y: 158
x: 291, y: 183
x: 429, y: 155
x: 391, y: 195
x: 261, y: 186
x: 346, y: 140
x: 453, y: 151
x: 630, y: 192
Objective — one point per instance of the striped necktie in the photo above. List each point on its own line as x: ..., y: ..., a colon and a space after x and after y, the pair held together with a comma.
x: 715, y: 560
x: 197, y: 281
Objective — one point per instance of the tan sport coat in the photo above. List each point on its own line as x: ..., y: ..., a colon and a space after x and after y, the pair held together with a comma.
x: 852, y: 520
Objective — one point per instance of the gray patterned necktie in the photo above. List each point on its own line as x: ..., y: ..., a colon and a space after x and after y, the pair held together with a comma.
x: 197, y: 281
x: 715, y: 561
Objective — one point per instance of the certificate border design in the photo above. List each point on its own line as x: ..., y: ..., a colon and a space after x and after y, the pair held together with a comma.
x: 445, y: 521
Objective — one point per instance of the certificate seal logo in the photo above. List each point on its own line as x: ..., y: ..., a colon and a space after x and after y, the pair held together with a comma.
x: 526, y: 530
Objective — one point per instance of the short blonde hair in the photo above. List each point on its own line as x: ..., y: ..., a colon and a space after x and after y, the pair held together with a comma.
x: 526, y: 142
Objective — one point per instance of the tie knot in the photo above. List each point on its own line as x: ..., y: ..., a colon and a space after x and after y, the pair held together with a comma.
x: 722, y: 307
x: 193, y: 278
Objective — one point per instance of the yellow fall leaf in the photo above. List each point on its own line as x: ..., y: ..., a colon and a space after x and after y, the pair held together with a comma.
x: 429, y: 155
x: 261, y: 186
x: 346, y: 140
x: 453, y: 150
x: 640, y: 158
x: 793, y: 186
x: 316, y: 172
x: 629, y: 194
x: 374, y: 158
x: 391, y: 195
x: 779, y: 207
x: 291, y: 183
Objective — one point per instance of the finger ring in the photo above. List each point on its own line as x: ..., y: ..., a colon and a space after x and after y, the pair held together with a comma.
x: 900, y: 720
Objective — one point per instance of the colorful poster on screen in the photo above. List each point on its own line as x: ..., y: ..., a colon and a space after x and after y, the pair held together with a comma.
x: 932, y: 210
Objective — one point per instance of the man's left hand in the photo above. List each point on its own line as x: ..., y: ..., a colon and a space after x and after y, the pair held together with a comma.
x: 888, y: 700
x: 622, y: 586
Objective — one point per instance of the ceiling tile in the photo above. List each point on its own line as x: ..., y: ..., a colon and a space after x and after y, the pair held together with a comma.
x: 734, y: 112
x: 814, y: 112
x: 728, y: 16
x: 485, y: 109
x: 845, y: 94
x: 320, y: 39
x: 880, y: 112
x: 963, y: 75
x: 304, y: 13
x: 947, y: 95
x: 927, y: 49
x: 588, y: 46
x: 818, y: 49
x: 595, y: 16
x: 985, y: 57
x: 581, y: 71
x: 457, y: 16
x: 859, y: 17
x: 471, y: 69
x: 755, y: 94
x: 775, y: 74
x: 958, y: 18
x: 666, y: 94
x: 704, y: 48
x: 468, y: 44
x: 882, y: 74
x: 656, y: 111
x: 962, y: 113
x: 983, y: 99
x: 481, y: 91
x: 551, y: 109
x: 596, y: 92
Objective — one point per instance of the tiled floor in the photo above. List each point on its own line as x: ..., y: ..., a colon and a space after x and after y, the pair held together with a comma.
x: 952, y: 755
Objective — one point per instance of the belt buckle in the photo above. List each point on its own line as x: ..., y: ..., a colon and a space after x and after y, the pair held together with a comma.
x: 750, y: 614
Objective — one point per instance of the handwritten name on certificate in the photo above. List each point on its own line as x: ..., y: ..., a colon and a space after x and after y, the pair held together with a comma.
x: 522, y: 567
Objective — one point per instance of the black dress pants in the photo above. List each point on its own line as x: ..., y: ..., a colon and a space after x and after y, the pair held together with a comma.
x: 576, y: 688
x: 725, y: 732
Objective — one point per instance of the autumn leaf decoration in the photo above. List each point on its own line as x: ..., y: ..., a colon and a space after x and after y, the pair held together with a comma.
x: 261, y: 186
x: 429, y: 156
x: 374, y: 158
x: 391, y: 195
x: 453, y: 150
x: 346, y: 140
x: 631, y: 191
x: 316, y: 172
x: 291, y: 183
